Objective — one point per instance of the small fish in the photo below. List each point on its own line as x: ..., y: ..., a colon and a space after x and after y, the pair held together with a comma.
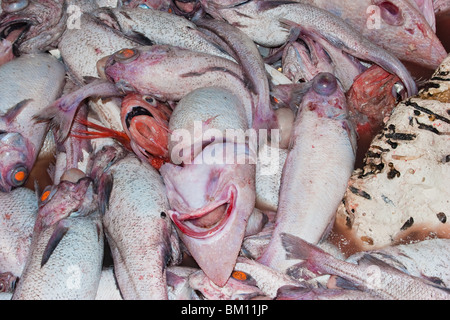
x: 311, y: 188
x: 374, y: 276
x: 135, y: 214
x: 66, y: 252
x: 29, y: 84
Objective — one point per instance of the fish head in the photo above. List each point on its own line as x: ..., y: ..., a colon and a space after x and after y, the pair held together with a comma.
x: 240, y: 286
x: 146, y: 121
x: 373, y: 95
x: 405, y: 32
x: 17, y: 160
x: 68, y: 198
x: 211, y: 204
x: 32, y: 25
x: 326, y: 99
x: 127, y: 68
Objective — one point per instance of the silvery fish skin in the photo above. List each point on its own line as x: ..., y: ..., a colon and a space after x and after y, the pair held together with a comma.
x: 178, y: 283
x: 311, y: 187
x: 371, y: 275
x: 66, y: 253
x: 320, y: 293
x: 428, y: 259
x: 108, y: 288
x: 19, y: 212
x: 82, y: 46
x: 399, y: 26
x: 136, y: 222
x: 29, y: 84
x: 261, y: 21
x: 159, y: 27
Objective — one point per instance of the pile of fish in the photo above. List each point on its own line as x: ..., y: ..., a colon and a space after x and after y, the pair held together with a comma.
x: 224, y: 149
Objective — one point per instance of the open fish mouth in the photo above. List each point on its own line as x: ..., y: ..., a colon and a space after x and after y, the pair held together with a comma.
x: 15, y: 32
x: 208, y: 221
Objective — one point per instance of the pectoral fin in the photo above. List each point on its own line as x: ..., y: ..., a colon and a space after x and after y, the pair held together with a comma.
x: 58, y: 234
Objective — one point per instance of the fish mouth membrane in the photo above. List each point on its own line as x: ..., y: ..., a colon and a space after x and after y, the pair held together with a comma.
x: 14, y: 25
x: 206, y: 222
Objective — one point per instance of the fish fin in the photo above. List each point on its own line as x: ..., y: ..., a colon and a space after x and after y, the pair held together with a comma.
x: 289, y: 95
x: 105, y: 186
x: 346, y: 284
x: 89, y: 79
x: 297, y: 248
x: 139, y: 38
x: 300, y: 271
x: 56, y: 237
x: 13, y: 112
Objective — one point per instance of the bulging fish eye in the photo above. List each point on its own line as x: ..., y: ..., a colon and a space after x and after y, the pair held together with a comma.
x: 325, y: 84
x: 150, y: 100
x: 126, y: 55
x: 14, y: 5
x: 391, y: 14
x: 18, y: 176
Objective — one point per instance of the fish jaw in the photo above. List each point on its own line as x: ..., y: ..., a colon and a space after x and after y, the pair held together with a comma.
x: 17, y: 155
x: 211, y: 212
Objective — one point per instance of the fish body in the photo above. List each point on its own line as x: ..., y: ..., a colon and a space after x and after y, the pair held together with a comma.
x: 374, y: 276
x: 66, y: 252
x: 29, y: 84
x: 19, y: 212
x: 260, y: 20
x: 311, y: 188
x: 136, y: 222
x: 145, y: 70
x: 399, y: 26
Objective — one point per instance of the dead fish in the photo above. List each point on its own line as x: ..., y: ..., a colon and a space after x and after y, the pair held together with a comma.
x: 426, y: 259
x: 141, y: 243
x: 32, y: 26
x: 374, y: 276
x: 311, y: 188
x: 158, y: 27
x: 108, y: 288
x: 19, y: 212
x: 211, y: 193
x: 261, y: 21
x: 399, y: 26
x: 66, y: 253
x: 29, y: 84
x: 178, y: 283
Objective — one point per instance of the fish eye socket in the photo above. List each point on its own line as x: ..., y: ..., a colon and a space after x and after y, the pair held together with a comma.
x: 150, y: 100
x: 18, y: 176
x: 14, y: 5
x: 126, y: 55
x: 391, y: 14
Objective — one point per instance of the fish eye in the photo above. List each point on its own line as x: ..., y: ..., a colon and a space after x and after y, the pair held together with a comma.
x: 150, y: 100
x: 18, y: 176
x: 14, y: 5
x: 391, y: 14
x: 325, y: 84
x: 47, y: 194
x: 126, y: 55
x: 398, y: 91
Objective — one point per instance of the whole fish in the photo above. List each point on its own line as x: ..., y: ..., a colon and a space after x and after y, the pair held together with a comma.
x: 399, y: 26
x: 29, y: 84
x: 211, y: 193
x: 311, y: 187
x: 374, y: 276
x: 19, y: 212
x: 136, y: 222
x: 66, y: 253
x: 144, y: 70
x: 261, y: 21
